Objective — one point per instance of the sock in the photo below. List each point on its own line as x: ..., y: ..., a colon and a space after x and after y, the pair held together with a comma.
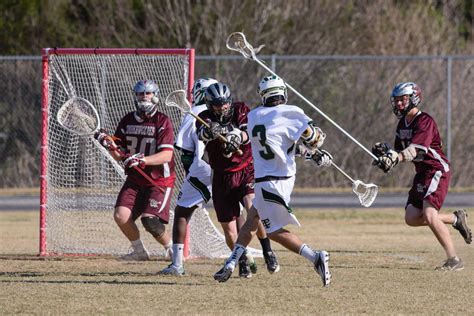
x: 137, y: 245
x: 308, y: 253
x: 178, y: 255
x: 237, y: 253
x: 265, y: 242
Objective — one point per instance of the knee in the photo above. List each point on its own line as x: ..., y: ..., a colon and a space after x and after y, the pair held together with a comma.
x: 154, y: 226
x: 121, y: 216
x: 183, y: 212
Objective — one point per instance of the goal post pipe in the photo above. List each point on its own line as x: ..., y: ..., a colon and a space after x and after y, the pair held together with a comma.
x: 242, y: 46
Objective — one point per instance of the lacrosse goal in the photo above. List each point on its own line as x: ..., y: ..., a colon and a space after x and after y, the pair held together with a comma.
x: 79, y: 181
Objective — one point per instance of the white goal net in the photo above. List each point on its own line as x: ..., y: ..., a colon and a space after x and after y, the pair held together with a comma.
x: 79, y: 181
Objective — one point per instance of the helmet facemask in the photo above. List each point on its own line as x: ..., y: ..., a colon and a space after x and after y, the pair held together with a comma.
x: 218, y: 95
x: 146, y: 106
x: 413, y: 93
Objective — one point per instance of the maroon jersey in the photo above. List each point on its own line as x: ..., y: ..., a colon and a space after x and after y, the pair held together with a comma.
x: 215, y: 148
x: 423, y: 134
x: 148, y: 137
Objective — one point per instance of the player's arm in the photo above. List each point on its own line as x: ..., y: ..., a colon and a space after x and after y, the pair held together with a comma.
x: 312, y: 137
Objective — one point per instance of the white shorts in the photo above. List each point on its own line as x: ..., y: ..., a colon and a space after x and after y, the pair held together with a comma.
x: 272, y: 200
x: 194, y: 191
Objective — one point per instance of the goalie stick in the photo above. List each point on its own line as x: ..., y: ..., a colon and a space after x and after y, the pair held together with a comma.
x: 365, y: 192
x: 178, y: 99
x: 237, y: 42
x: 80, y: 117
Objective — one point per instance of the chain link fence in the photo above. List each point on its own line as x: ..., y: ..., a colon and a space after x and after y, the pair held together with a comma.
x: 352, y: 90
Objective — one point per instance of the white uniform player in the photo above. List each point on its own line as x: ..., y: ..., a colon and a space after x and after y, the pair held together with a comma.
x: 197, y: 186
x: 274, y: 129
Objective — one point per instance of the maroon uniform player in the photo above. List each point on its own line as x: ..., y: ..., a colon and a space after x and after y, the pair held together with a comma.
x: 146, y: 138
x: 233, y: 174
x: 418, y: 140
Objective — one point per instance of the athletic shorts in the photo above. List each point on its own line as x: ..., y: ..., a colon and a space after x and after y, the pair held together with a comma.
x: 146, y: 199
x: 272, y: 200
x: 431, y: 186
x: 228, y: 190
x: 194, y: 191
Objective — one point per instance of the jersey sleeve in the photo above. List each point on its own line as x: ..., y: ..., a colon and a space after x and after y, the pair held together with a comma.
x: 184, y: 138
x: 423, y: 133
x: 299, y: 122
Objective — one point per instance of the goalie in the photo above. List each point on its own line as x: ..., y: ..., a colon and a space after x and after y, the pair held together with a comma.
x: 274, y: 128
x: 418, y: 141
x: 146, y: 138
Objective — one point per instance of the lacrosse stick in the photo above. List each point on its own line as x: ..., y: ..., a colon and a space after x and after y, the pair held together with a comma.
x: 80, y: 117
x: 237, y: 42
x: 178, y: 100
x: 365, y: 192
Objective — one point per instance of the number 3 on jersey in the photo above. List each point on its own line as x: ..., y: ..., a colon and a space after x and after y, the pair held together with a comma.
x: 260, y: 132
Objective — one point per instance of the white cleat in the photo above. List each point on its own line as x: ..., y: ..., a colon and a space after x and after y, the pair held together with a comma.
x: 321, y: 265
x: 136, y: 256
x: 172, y: 270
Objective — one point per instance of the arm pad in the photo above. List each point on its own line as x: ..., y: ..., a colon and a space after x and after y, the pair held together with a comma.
x: 313, y: 137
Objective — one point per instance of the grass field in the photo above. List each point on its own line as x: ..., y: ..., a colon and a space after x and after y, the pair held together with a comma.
x: 379, y: 266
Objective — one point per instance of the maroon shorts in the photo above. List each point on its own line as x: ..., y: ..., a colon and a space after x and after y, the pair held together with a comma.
x: 228, y: 190
x: 146, y: 199
x: 431, y: 186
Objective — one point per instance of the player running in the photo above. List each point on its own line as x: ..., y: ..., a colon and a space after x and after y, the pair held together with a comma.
x: 275, y: 127
x: 146, y: 137
x: 233, y: 174
x: 417, y: 140
x: 196, y: 188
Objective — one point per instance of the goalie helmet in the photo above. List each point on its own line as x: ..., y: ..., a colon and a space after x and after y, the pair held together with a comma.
x: 145, y: 103
x: 219, y: 102
x: 271, y: 89
x: 199, y: 89
x: 413, y: 93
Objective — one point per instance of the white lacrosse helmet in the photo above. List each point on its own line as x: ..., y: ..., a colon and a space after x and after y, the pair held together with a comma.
x: 271, y: 87
x: 412, y: 90
x: 146, y: 109
x: 199, y: 90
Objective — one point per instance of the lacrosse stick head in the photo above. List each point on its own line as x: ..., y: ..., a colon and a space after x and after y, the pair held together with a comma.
x: 237, y: 42
x: 365, y: 192
x: 78, y: 116
x: 178, y: 99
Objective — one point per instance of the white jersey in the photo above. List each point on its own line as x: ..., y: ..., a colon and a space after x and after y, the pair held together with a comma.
x: 273, y: 133
x: 187, y: 139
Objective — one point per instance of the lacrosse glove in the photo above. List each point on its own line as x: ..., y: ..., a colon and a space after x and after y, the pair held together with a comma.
x: 135, y: 160
x: 380, y: 149
x: 210, y: 133
x: 233, y: 142
x: 322, y: 158
x: 105, y: 139
x: 388, y: 161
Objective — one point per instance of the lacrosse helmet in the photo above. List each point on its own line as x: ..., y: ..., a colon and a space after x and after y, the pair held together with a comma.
x: 271, y: 89
x: 218, y: 95
x: 146, y: 107
x: 410, y: 89
x: 199, y: 89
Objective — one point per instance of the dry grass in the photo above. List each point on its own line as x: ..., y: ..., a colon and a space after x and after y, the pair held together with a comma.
x: 379, y: 266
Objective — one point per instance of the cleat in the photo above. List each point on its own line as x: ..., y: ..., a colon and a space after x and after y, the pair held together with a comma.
x: 252, y: 263
x: 244, y: 270
x: 172, y: 270
x: 271, y: 262
x: 224, y: 274
x: 136, y: 256
x: 321, y: 266
x: 461, y: 225
x: 452, y: 264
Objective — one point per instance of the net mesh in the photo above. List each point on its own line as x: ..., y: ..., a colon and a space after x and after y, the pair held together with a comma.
x: 82, y: 180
